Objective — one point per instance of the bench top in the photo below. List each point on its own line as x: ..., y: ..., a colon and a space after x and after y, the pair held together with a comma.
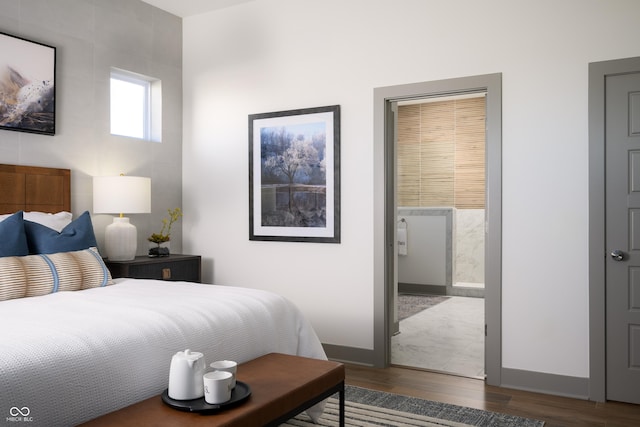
x: 279, y: 384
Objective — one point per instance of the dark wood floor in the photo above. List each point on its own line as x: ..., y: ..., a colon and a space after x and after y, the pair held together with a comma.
x: 555, y: 411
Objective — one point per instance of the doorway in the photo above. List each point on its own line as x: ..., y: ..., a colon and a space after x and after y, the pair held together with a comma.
x: 614, y: 307
x: 440, y: 181
x: 385, y: 231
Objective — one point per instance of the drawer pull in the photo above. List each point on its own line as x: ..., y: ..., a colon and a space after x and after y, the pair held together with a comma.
x: 166, y: 274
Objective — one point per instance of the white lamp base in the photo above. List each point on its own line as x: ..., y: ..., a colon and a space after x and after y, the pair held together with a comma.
x: 121, y: 240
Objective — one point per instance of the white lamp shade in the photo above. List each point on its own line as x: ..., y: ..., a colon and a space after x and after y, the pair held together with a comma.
x: 121, y: 194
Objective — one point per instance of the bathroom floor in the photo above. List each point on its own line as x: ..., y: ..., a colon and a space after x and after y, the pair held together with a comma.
x: 448, y: 337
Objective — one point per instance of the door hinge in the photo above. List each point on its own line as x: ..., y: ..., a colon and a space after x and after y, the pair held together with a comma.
x: 485, y: 329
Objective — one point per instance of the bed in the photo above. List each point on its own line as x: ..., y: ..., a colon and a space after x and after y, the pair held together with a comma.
x: 79, y: 345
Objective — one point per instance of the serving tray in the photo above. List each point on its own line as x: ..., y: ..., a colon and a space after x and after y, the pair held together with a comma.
x: 239, y: 394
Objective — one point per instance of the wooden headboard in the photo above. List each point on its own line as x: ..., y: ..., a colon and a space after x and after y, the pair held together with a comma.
x: 33, y: 188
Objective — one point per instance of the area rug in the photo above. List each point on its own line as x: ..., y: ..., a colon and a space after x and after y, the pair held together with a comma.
x: 408, y: 305
x: 364, y: 407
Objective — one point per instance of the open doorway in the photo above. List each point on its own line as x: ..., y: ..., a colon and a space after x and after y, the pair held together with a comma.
x: 385, y: 211
x: 440, y: 182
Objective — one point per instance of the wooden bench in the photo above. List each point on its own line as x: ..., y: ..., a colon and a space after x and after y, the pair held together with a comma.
x: 282, y: 386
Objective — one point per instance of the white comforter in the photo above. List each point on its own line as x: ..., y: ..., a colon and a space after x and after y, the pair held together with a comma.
x: 68, y: 357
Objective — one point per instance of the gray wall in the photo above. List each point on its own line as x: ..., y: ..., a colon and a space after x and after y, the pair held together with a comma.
x: 91, y: 36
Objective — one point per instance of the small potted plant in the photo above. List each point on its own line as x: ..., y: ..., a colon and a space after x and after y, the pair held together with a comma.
x: 161, y: 240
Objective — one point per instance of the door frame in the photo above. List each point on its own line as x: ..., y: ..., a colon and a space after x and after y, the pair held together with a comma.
x: 385, y: 221
x: 598, y: 73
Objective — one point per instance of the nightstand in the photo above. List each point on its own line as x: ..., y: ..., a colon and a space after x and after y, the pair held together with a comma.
x: 173, y: 267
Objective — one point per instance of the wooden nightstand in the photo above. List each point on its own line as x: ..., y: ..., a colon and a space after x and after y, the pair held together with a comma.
x: 173, y: 267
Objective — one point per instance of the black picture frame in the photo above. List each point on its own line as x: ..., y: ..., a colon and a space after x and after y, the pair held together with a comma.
x: 294, y: 175
x: 27, y: 85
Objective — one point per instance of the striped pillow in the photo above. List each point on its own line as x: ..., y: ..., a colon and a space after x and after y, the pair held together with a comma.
x: 34, y: 275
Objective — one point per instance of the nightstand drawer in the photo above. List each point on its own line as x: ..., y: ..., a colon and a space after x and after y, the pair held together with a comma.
x: 173, y: 267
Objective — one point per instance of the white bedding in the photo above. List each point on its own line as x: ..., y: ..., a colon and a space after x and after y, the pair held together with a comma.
x: 68, y: 357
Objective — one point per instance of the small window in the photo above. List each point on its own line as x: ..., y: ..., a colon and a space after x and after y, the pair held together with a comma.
x: 136, y: 107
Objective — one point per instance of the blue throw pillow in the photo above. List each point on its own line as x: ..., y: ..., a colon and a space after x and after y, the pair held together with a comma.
x: 13, y: 240
x: 76, y: 236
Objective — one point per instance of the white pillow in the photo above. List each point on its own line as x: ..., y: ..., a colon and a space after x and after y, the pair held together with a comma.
x: 56, y: 221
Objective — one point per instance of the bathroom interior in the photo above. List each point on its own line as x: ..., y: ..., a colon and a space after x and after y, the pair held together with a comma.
x: 440, y: 195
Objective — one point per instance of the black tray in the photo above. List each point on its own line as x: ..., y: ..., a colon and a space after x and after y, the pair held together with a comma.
x: 239, y: 394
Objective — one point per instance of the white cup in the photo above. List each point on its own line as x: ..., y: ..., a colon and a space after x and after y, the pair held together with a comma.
x: 217, y: 386
x: 226, y: 366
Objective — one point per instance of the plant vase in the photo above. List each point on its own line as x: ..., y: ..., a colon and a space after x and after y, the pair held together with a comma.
x: 159, y: 249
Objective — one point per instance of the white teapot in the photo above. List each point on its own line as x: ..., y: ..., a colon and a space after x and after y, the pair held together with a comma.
x: 185, y: 375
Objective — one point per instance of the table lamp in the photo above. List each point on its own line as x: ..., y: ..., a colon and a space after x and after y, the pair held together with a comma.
x: 121, y: 195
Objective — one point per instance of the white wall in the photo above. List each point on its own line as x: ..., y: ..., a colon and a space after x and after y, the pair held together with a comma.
x: 90, y: 38
x: 271, y: 55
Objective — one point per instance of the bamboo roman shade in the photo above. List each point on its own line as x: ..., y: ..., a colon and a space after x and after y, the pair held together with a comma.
x: 441, y: 154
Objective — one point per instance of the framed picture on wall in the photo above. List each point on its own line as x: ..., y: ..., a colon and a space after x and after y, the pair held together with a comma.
x: 294, y: 175
x: 27, y: 85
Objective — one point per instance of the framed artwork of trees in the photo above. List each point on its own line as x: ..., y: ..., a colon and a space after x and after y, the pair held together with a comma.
x: 294, y: 175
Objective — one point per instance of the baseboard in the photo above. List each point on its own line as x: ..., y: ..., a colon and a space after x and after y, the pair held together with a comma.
x: 358, y: 356
x: 457, y: 291
x: 411, y: 288
x: 539, y: 382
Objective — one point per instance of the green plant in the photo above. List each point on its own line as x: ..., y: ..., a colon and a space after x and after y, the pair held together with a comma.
x: 165, y: 232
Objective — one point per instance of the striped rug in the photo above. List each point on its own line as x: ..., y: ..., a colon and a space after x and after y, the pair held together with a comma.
x: 357, y: 414
x: 365, y: 407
